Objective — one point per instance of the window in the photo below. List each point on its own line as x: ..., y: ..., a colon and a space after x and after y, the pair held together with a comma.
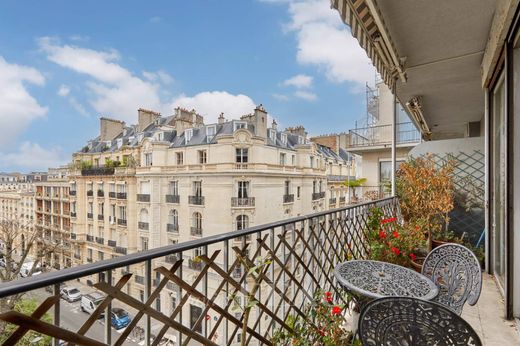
x: 241, y: 155
x: 112, y: 187
x: 312, y: 162
x: 195, y: 313
x: 385, y: 170
x: 188, y: 134
x: 197, y: 220
x: 180, y: 160
x: 143, y: 215
x: 202, y: 156
x: 197, y: 188
x: 160, y: 136
x: 173, y: 217
x: 197, y: 252
x: 243, y: 189
x: 287, y: 189
x: 121, y: 188
x: 301, y: 140
x: 283, y: 137
x: 293, y: 160
x: 298, y: 192
x: 113, y: 212
x: 122, y: 212
x: 174, y: 188
x: 144, y: 243
x: 90, y: 208
x: 314, y: 186
x: 242, y: 222
x: 101, y: 255
x: 321, y: 186
x: 100, y: 186
x: 282, y: 159
x: 148, y: 159
x: 210, y: 133
x: 272, y: 135
x: 101, y: 208
x: 239, y: 125
x: 144, y: 188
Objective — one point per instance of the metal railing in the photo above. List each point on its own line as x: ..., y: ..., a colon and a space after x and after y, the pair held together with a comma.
x: 196, y: 231
x: 101, y: 193
x: 98, y: 171
x: 382, y: 135
x: 141, y: 197
x: 196, y: 200
x: 172, y: 228
x: 288, y: 198
x: 172, y: 198
x: 242, y: 202
x: 121, y: 195
x: 143, y: 225
x: 300, y: 255
x: 318, y: 195
x: 90, y: 193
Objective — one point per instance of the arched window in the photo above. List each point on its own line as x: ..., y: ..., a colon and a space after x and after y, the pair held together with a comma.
x: 143, y: 215
x: 242, y: 222
x: 173, y: 217
x: 197, y: 220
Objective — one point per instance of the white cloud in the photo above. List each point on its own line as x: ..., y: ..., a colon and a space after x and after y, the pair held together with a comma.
x: 31, y: 156
x: 63, y: 90
x: 18, y: 108
x: 160, y: 75
x: 211, y: 103
x: 305, y: 95
x: 326, y: 42
x: 281, y: 97
x: 299, y: 81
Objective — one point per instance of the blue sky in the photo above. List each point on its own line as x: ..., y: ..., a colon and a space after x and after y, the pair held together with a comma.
x: 65, y: 63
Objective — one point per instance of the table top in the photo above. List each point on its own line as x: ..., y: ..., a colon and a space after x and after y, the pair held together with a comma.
x: 374, y: 279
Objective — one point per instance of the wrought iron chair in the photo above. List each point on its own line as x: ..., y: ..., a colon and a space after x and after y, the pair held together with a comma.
x: 405, y: 321
x: 456, y: 272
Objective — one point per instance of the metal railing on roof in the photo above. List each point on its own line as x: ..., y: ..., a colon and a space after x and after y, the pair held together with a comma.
x: 382, y: 135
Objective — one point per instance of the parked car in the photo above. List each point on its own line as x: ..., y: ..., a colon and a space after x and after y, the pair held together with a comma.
x: 27, y: 267
x: 120, y: 318
x: 89, y: 302
x: 168, y: 340
x: 70, y: 294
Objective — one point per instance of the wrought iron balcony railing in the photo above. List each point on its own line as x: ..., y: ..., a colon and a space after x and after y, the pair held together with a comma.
x: 238, y: 202
x: 101, y: 217
x: 90, y: 193
x: 90, y: 238
x: 101, y: 193
x: 98, y: 171
x: 90, y: 215
x: 141, y: 197
x: 143, y: 225
x: 318, y: 195
x: 196, y: 200
x: 121, y: 222
x: 72, y: 193
x: 112, y: 243
x: 302, y: 253
x: 100, y: 240
x: 382, y: 135
x: 332, y: 201
x: 288, y: 198
x: 121, y: 195
x: 196, y: 231
x: 112, y: 194
x: 172, y: 228
x: 172, y: 198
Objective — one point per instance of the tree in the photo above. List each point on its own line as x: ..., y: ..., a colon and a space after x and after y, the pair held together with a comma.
x: 23, y: 247
x: 352, y: 184
x: 27, y: 307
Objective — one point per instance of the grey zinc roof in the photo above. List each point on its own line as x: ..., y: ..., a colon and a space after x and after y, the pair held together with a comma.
x: 131, y: 138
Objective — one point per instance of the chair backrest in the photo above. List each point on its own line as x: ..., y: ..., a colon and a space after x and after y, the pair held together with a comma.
x: 456, y: 272
x: 413, y: 322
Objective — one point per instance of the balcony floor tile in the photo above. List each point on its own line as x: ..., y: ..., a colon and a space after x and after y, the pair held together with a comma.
x: 486, y: 317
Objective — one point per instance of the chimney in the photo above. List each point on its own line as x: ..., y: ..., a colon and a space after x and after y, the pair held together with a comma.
x: 221, y: 119
x: 274, y: 125
x: 260, y: 116
x: 297, y: 130
x: 145, y: 118
x: 110, y: 128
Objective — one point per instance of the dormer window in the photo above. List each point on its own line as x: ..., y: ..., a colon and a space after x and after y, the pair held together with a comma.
x: 188, y: 134
x: 239, y: 125
x: 301, y: 140
x: 160, y: 136
x: 210, y: 132
x: 140, y: 137
x: 283, y: 137
x: 272, y: 135
x: 119, y: 142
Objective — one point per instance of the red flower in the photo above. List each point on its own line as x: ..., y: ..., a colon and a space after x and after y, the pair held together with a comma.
x: 336, y: 310
x: 321, y: 332
x: 382, y: 235
x: 417, y: 227
x: 396, y: 251
x: 328, y: 297
x: 395, y: 234
x: 413, y: 257
x: 391, y: 219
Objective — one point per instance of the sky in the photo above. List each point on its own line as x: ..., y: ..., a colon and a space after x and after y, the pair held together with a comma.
x: 63, y: 64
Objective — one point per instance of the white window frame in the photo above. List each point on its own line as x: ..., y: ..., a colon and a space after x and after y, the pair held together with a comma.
x: 188, y: 134
x: 272, y: 135
x: 209, y: 135
x: 283, y: 138
x: 239, y: 125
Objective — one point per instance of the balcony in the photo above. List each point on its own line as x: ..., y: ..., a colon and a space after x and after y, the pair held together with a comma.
x: 111, y: 243
x: 332, y: 201
x: 77, y: 256
x: 143, y: 197
x: 121, y: 195
x: 73, y: 214
x: 288, y: 198
x: 342, y: 199
x: 196, y: 200
x: 90, y: 193
x: 172, y: 198
x: 98, y: 171
x: 90, y: 215
x: 72, y: 193
x: 90, y: 238
x: 381, y: 136
x: 238, y: 202
x: 121, y: 222
x: 112, y: 195
x: 100, y: 240
x: 101, y: 217
x: 172, y: 228
x: 101, y: 193
x: 73, y: 236
x: 196, y: 231
x: 121, y: 250
x: 318, y: 195
x: 143, y: 225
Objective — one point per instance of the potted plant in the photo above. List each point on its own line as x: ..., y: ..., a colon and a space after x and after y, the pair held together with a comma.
x: 353, y: 184
x: 425, y: 191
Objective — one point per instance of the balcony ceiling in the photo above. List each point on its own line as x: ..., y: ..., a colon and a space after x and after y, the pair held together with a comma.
x: 443, y: 42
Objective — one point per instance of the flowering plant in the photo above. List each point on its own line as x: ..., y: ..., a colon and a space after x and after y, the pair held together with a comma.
x: 390, y: 241
x: 323, y: 324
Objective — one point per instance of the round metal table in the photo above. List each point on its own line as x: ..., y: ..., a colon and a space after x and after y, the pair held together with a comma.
x: 374, y: 279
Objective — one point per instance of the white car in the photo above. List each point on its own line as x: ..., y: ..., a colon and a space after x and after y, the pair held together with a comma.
x: 27, y: 267
x: 70, y: 294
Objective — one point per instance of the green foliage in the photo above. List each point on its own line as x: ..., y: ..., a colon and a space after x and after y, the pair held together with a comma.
x: 86, y: 164
x: 27, y: 307
x: 355, y: 182
x: 323, y: 324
